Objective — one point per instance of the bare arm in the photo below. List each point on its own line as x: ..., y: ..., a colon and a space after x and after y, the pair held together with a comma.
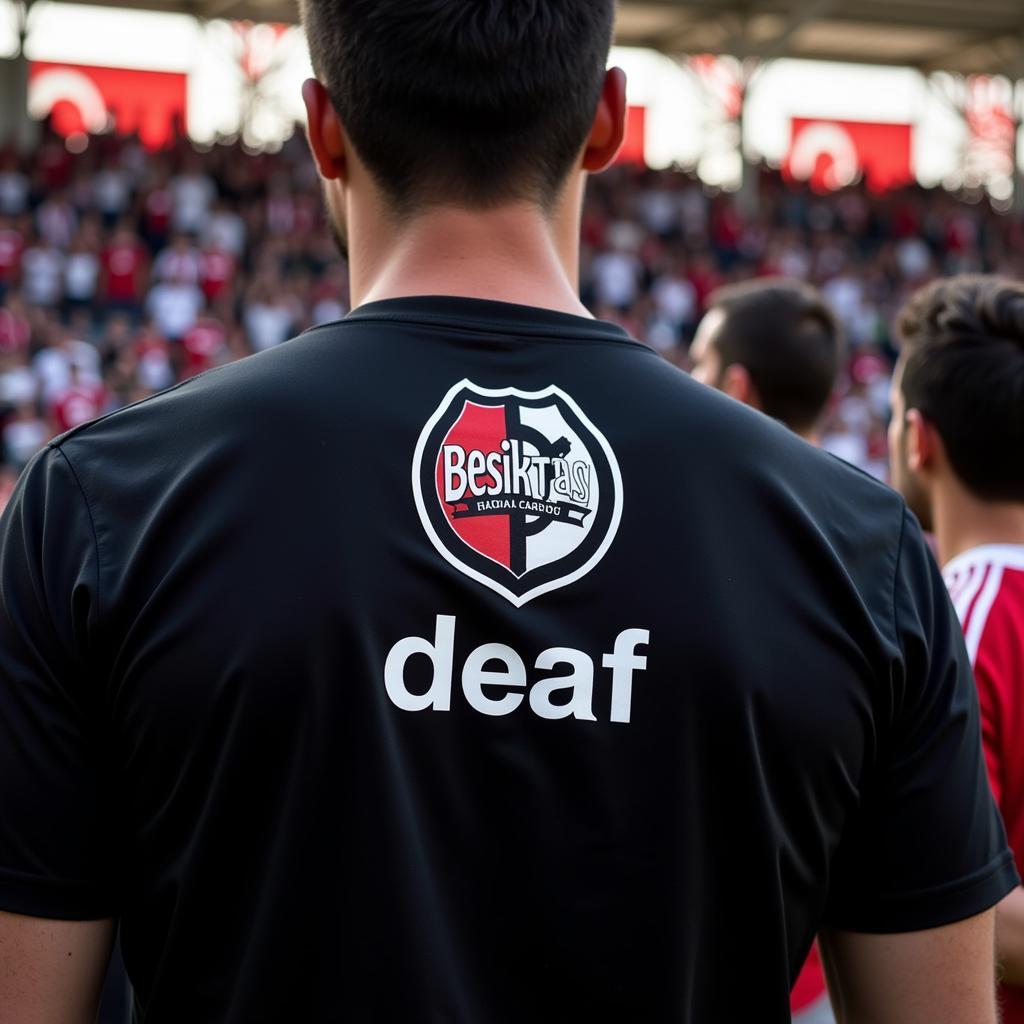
x: 51, y: 972
x: 1010, y: 937
x: 940, y: 976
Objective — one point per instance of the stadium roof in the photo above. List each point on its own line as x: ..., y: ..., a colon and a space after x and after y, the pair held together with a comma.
x: 971, y: 36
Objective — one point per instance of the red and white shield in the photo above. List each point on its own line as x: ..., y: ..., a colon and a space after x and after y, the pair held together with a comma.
x: 518, y: 490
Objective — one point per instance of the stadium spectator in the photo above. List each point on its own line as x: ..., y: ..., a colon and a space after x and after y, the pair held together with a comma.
x: 57, y: 219
x: 178, y: 263
x: 82, y: 400
x: 152, y: 355
x: 157, y: 210
x: 42, y: 272
x: 225, y: 230
x: 111, y: 190
x: 24, y: 434
x: 12, y: 242
x: 124, y: 271
x: 175, y: 304
x: 15, y: 327
x: 957, y: 449
x: 217, y: 267
x: 81, y: 272
x: 773, y: 345
x: 270, y: 314
x: 192, y: 193
x: 14, y: 186
x: 204, y: 345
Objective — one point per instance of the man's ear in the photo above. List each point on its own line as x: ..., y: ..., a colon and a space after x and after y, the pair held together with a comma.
x: 737, y: 383
x: 326, y: 138
x: 922, y: 441
x: 609, y: 127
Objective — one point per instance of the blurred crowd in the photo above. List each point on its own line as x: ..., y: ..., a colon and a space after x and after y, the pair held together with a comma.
x: 124, y: 271
x: 657, y: 244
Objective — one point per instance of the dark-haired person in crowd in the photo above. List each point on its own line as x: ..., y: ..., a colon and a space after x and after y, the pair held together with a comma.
x: 774, y: 344
x: 403, y: 673
x: 957, y: 449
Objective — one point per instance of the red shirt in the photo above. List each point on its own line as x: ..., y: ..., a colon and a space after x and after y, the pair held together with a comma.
x: 987, y: 587
x: 15, y: 332
x: 704, y: 280
x: 54, y: 160
x: 122, y: 264
x: 150, y: 343
x: 202, y: 344
x: 216, y: 269
x: 77, y: 405
x: 11, y: 245
x: 158, y: 209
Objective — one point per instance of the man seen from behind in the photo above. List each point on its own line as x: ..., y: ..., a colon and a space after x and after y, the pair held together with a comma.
x: 463, y: 661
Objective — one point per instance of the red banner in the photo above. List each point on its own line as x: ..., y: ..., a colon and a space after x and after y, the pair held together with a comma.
x: 833, y: 154
x: 80, y: 98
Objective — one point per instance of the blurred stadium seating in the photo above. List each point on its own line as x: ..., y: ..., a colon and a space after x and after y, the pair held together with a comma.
x: 122, y: 272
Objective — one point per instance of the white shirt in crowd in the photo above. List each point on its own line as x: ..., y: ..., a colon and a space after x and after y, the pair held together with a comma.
x: 111, y: 190
x: 845, y: 294
x: 181, y: 265
x: 52, y: 367
x: 267, y: 324
x: 18, y: 386
x: 192, y: 194
x: 795, y: 262
x: 42, y: 269
x: 914, y: 259
x: 174, y: 308
x: 616, y: 278
x: 155, y: 371
x: 23, y: 438
x: 675, y: 299
x: 58, y: 222
x: 660, y: 210
x: 226, y: 229
x: 13, y: 193
x: 81, y: 272
x: 328, y: 310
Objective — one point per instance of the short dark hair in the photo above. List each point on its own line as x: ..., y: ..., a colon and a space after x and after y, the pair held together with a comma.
x: 475, y: 101
x: 787, y: 338
x: 962, y: 341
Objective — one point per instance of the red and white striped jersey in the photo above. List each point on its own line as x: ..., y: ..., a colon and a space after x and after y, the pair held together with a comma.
x: 987, y: 588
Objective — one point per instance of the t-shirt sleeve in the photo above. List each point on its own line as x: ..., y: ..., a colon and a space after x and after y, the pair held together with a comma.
x: 926, y: 846
x: 55, y: 829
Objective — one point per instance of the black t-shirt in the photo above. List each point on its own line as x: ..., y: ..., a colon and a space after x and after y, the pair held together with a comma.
x: 465, y: 662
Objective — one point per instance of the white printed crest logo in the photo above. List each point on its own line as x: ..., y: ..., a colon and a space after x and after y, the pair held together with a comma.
x: 518, y: 490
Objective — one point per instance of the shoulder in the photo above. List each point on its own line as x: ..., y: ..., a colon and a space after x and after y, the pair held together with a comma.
x: 240, y: 399
x: 722, y: 438
x: 758, y: 495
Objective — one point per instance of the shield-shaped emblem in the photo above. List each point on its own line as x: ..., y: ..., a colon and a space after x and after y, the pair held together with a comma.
x: 518, y: 490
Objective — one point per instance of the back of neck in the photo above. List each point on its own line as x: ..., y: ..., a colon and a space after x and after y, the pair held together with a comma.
x: 509, y: 254
x: 970, y: 523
